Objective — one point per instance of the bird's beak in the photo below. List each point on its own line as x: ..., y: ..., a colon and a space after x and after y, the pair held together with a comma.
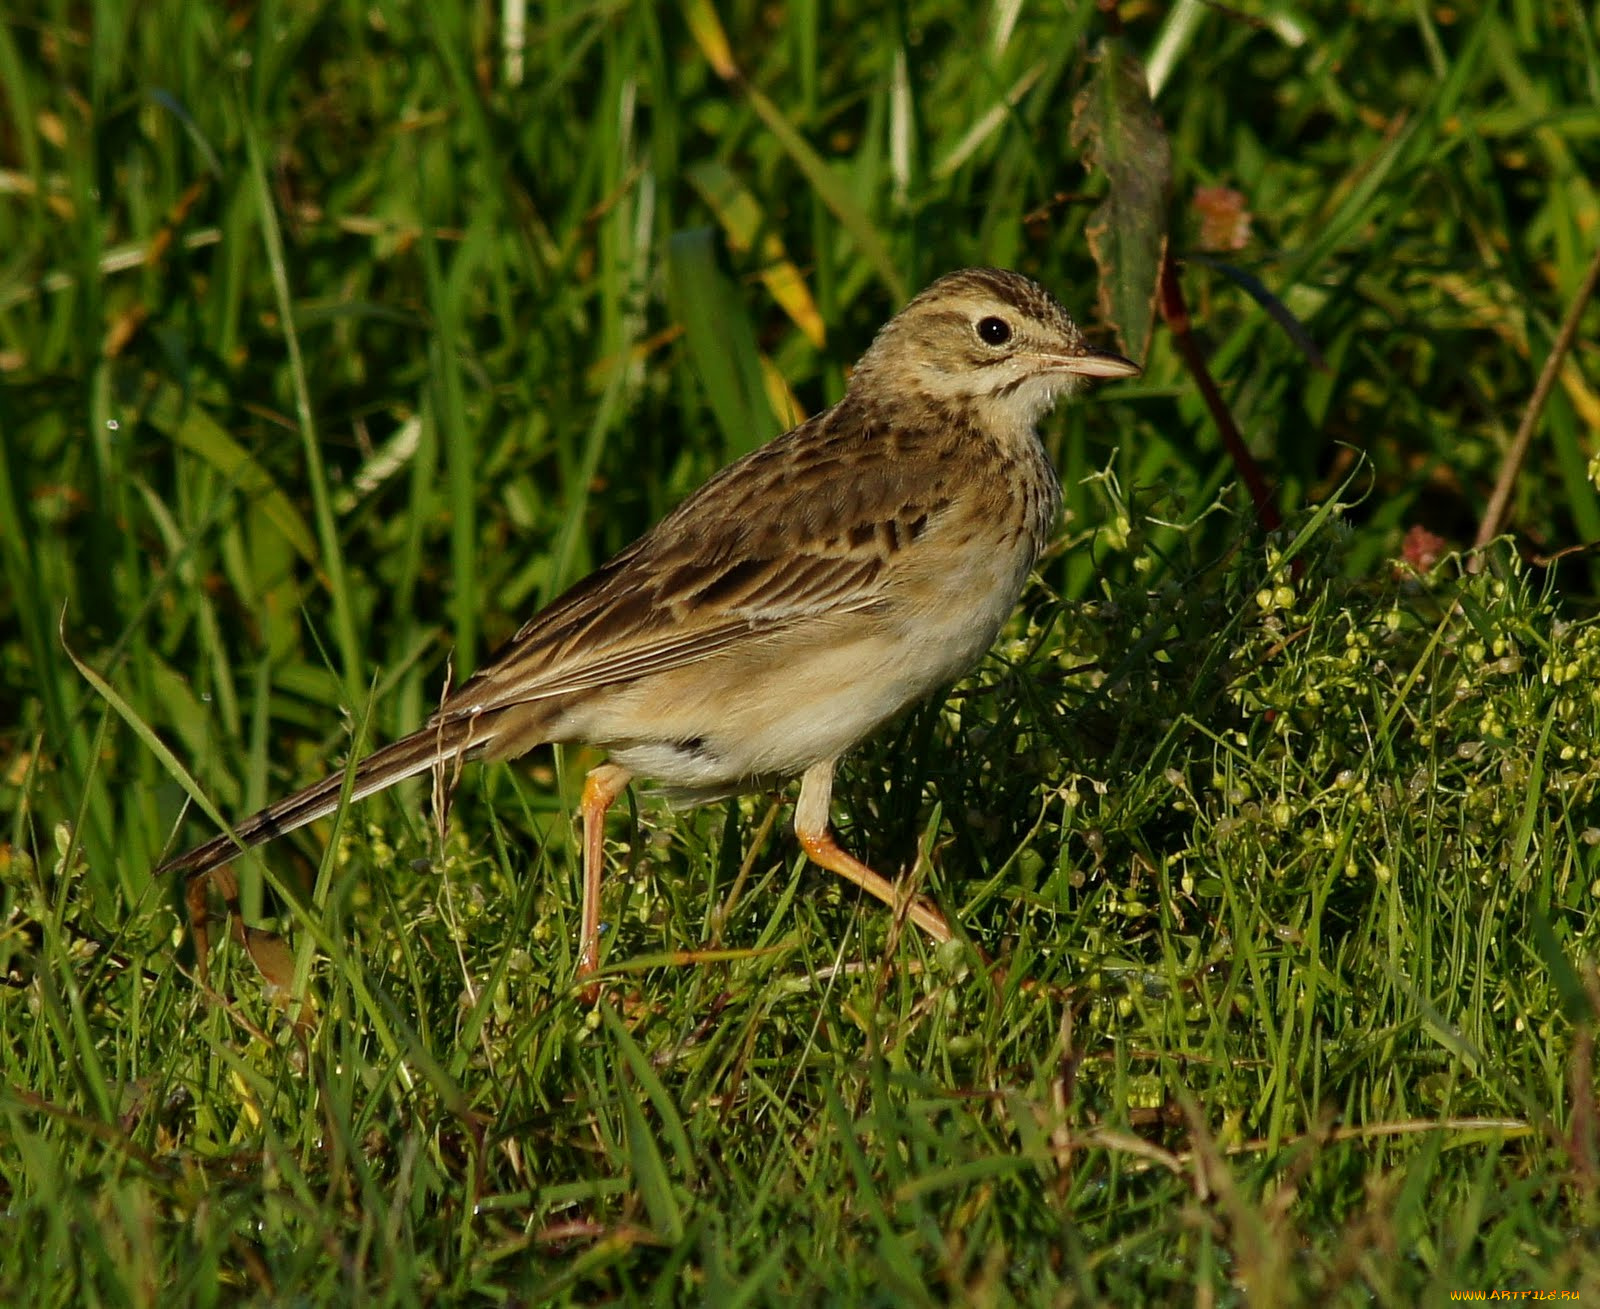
x: 1098, y: 363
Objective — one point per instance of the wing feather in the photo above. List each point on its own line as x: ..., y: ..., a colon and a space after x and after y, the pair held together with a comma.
x: 760, y: 548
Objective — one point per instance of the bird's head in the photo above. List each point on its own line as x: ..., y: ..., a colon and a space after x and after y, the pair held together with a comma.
x: 990, y: 339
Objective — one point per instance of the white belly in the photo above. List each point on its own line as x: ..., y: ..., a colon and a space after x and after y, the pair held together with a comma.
x: 808, y: 694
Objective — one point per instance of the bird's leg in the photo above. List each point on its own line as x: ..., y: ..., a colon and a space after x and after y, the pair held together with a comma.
x: 816, y: 839
x: 600, y: 789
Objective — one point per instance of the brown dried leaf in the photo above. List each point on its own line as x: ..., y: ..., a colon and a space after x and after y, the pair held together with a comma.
x: 1224, y: 218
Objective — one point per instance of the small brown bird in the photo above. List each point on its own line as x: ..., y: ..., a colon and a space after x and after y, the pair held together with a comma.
x: 799, y: 599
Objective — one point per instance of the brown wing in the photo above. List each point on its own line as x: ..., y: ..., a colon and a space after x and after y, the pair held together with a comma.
x: 803, y: 528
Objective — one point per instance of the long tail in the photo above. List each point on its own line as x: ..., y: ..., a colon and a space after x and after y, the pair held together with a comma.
x: 410, y: 755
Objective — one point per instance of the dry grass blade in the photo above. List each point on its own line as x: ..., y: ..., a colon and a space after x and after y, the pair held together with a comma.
x: 1494, y: 515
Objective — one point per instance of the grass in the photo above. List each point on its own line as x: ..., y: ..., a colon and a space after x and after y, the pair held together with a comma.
x: 336, y: 338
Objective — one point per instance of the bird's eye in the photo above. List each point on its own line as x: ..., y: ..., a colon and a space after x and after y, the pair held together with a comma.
x: 994, y: 331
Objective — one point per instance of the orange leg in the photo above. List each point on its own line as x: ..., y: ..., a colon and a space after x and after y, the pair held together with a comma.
x: 816, y: 839
x: 600, y: 790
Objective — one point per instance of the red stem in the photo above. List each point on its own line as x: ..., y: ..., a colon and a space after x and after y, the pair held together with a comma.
x: 1176, y: 314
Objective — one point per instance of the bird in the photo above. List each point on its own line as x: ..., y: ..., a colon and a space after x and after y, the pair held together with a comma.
x: 798, y: 600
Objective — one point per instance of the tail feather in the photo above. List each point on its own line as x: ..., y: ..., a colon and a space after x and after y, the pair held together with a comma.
x: 393, y: 763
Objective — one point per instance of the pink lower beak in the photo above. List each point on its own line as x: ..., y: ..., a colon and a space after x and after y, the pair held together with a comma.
x: 1099, y: 363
